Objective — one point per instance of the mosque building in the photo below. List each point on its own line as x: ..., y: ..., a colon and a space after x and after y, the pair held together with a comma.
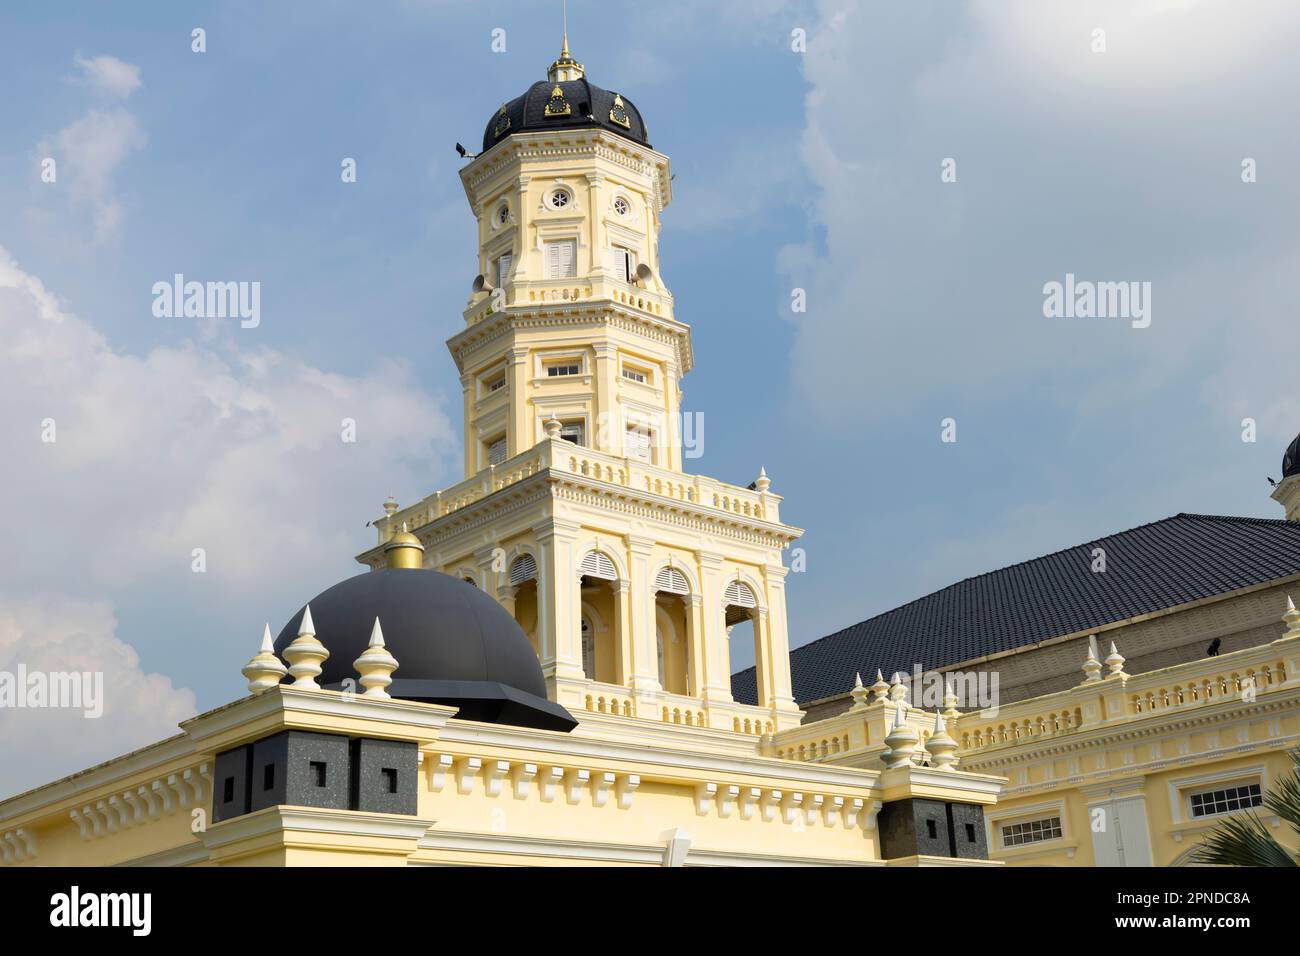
x: 535, y: 668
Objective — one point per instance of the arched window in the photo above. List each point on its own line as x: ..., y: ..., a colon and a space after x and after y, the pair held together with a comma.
x: 598, y: 565
x: 672, y: 581
x: 523, y: 569
x: 738, y: 594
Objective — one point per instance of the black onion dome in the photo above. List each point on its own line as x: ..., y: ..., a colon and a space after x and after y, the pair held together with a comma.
x: 1291, y: 459
x: 454, y: 645
x: 588, y: 104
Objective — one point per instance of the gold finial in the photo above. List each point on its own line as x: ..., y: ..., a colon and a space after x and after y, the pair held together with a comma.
x: 566, y: 67
x: 405, y: 550
x: 564, y: 12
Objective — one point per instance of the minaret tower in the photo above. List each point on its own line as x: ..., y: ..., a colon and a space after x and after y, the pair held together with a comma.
x: 1287, y: 491
x: 575, y: 512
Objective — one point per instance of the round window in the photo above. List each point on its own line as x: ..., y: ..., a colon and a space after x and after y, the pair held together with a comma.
x: 503, y: 215
x: 621, y: 206
x: 560, y: 198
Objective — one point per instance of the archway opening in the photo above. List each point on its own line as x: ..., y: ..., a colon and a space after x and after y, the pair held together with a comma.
x: 523, y: 578
x: 740, y: 617
x: 672, y: 631
x: 598, y: 633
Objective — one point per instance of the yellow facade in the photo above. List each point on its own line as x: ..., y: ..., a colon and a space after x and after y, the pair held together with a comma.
x: 1115, y: 759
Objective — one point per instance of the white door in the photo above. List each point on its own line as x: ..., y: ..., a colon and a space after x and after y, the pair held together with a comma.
x: 1119, y: 832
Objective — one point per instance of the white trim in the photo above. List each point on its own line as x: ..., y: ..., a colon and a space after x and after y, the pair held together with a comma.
x: 1178, y: 787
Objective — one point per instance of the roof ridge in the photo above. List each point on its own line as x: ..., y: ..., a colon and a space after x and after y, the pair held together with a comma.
x: 1051, y: 554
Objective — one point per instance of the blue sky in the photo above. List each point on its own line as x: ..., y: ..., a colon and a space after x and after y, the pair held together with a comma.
x: 816, y: 170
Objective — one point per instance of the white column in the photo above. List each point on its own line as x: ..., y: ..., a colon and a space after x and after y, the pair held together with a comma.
x: 713, y: 637
x: 645, y: 666
x: 778, y: 639
x: 558, y: 600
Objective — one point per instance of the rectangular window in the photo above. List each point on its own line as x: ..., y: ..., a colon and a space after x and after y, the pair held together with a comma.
x: 318, y: 773
x: 572, y: 431
x: 503, y: 268
x: 228, y: 790
x: 390, y: 779
x: 1031, y: 831
x: 638, y: 443
x: 497, y: 452
x: 634, y: 374
x: 624, y: 263
x: 1226, y: 799
x: 561, y: 259
x: 567, y: 367
x: 268, y: 777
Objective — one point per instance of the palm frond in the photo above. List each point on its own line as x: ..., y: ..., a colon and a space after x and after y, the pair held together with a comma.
x: 1242, y: 841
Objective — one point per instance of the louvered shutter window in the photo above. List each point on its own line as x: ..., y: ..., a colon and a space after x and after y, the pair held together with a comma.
x: 503, y: 268
x: 672, y: 581
x: 623, y: 263
x: 560, y: 259
x: 739, y: 594
x: 598, y: 565
x: 497, y: 452
x: 524, y: 569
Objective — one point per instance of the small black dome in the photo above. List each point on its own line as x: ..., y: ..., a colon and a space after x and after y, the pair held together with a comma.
x: 454, y: 645
x: 1291, y: 459
x: 588, y: 106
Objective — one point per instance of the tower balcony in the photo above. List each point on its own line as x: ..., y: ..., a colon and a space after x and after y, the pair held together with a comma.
x: 562, y: 461
x: 585, y: 289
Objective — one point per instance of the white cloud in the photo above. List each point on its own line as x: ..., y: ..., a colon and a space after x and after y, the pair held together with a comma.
x: 237, y: 451
x: 109, y: 75
x: 234, y: 450
x: 1118, y: 166
x: 90, y: 150
x: 59, y: 634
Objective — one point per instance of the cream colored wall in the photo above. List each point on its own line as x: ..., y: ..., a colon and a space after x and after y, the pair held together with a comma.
x: 1124, y: 737
x: 558, y: 529
x: 1244, y: 619
x: 613, y: 791
x: 595, y: 168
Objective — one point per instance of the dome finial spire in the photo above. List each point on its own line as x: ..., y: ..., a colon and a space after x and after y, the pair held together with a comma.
x: 566, y: 67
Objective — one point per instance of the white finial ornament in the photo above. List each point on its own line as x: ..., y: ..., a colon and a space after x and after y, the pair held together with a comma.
x: 1091, y: 666
x: 901, y: 741
x: 950, y: 711
x: 306, y: 654
x: 1115, y: 661
x: 264, y: 670
x: 375, y: 666
x: 898, y: 690
x: 941, y: 746
x: 763, y: 483
x: 858, y: 693
x: 880, y: 689
x: 1292, y: 618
